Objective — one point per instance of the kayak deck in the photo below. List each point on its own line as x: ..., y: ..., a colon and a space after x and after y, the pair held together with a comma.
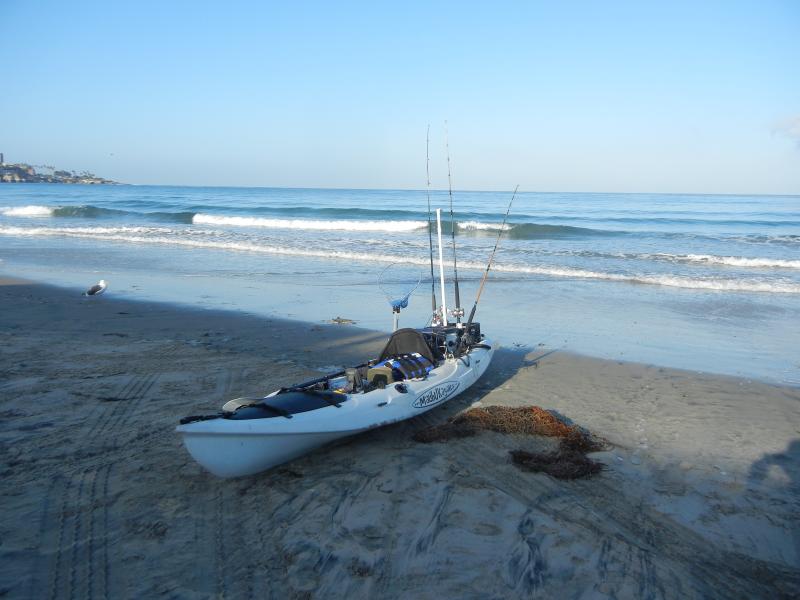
x: 232, y: 447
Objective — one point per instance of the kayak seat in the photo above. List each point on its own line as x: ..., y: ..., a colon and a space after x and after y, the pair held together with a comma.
x: 407, y: 341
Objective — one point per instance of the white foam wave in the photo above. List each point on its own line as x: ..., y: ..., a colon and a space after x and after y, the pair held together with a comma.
x: 308, y: 224
x: 32, y: 210
x: 89, y: 232
x: 741, y: 261
x: 479, y: 226
x: 730, y: 285
x: 706, y: 259
x: 152, y: 235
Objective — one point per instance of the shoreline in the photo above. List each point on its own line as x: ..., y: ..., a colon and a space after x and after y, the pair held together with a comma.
x: 6, y: 279
x: 686, y: 283
x: 698, y: 496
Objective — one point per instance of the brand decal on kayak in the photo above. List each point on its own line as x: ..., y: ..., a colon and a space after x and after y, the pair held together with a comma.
x: 437, y: 394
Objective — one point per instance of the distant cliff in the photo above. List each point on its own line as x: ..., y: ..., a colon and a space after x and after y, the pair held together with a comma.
x: 23, y: 173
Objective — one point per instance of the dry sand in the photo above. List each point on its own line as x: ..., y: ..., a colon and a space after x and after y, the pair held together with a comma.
x: 699, y: 497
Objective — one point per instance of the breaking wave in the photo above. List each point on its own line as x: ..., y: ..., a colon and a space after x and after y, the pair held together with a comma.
x: 729, y: 261
x: 478, y: 226
x: 166, y: 236
x: 514, y: 230
x: 87, y: 211
x: 531, y: 231
x: 367, y: 220
x: 309, y: 224
x: 27, y: 211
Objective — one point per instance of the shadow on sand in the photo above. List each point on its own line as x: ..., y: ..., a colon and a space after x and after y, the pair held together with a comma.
x: 772, y: 465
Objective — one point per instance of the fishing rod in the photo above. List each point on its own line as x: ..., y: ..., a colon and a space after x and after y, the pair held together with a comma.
x: 457, y: 311
x: 430, y: 223
x: 491, y: 259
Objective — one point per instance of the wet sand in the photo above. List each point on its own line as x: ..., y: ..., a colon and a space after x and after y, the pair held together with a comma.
x: 699, y: 497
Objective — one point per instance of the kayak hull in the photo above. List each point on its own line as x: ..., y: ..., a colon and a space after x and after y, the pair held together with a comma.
x: 237, y: 455
x: 236, y: 448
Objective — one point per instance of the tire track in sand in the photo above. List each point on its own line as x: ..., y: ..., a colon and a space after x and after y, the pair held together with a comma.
x: 235, y: 567
x: 219, y: 544
x: 37, y: 563
x: 127, y: 400
x: 78, y: 537
x: 121, y: 396
x: 74, y: 565
x: 212, y: 522
x: 106, y: 565
x: 80, y: 565
x: 124, y: 407
x: 59, y: 545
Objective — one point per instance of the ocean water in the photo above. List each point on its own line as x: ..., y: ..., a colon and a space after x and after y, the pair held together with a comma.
x: 708, y: 283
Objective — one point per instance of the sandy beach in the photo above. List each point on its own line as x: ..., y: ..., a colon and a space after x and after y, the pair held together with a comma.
x: 699, y: 496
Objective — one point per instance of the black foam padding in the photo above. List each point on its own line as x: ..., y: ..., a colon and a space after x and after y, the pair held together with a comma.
x: 289, y: 402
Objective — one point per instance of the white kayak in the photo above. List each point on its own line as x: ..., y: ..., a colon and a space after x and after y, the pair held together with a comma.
x: 261, y: 433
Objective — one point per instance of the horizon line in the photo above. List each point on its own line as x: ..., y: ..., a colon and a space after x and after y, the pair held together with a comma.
x: 421, y: 190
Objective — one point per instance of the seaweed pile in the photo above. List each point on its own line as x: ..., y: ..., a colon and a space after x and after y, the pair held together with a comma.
x: 568, y: 462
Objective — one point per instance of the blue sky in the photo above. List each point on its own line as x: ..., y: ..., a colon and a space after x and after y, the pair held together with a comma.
x: 571, y: 96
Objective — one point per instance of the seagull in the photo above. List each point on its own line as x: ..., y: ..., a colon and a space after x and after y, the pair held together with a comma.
x: 97, y: 289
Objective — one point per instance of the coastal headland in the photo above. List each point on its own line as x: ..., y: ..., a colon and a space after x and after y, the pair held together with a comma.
x: 25, y: 173
x: 698, y: 496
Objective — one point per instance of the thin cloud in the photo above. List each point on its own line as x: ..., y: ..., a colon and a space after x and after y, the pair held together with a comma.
x: 789, y: 128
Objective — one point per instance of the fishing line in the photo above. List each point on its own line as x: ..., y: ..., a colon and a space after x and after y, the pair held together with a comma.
x: 458, y: 311
x: 491, y: 258
x: 430, y: 223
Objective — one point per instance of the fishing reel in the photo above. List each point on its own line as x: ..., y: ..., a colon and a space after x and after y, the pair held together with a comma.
x: 454, y: 315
